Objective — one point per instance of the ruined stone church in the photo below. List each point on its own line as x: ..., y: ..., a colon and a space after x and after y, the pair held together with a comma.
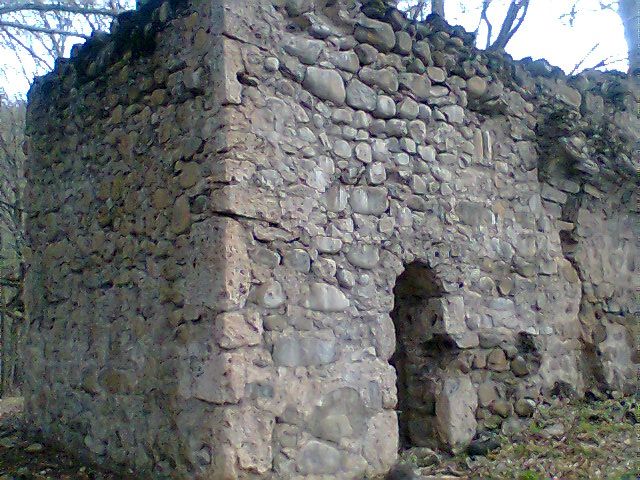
x: 287, y: 238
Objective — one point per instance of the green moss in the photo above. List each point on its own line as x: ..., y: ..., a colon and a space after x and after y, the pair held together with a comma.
x: 375, y: 9
x: 529, y: 475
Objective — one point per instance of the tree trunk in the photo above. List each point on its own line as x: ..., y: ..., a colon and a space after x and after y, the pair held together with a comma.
x: 5, y: 365
x: 9, y: 357
x: 511, y: 23
x: 629, y: 11
x: 437, y: 7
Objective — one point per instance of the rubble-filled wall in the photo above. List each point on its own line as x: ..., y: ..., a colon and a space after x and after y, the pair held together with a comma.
x: 225, y: 195
x: 129, y: 264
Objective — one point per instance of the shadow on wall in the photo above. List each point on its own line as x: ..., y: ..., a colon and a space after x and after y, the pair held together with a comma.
x: 420, y: 353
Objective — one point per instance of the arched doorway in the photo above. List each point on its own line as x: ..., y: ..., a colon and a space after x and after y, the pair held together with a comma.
x: 419, y: 350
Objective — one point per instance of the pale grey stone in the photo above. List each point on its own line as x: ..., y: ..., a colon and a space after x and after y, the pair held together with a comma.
x: 381, y: 443
x: 306, y: 134
x: 553, y: 194
x: 307, y: 51
x: 396, y: 127
x: 440, y: 91
x: 270, y: 295
x: 487, y: 394
x: 474, y: 214
x: 363, y: 256
x: 402, y: 159
x: 422, y: 50
x: 384, y: 78
x: 427, y: 153
x: 418, y: 85
x: 342, y: 149
x: 326, y: 298
x: 325, y: 84
x: 363, y: 152
x: 366, y: 53
x: 328, y: 244
x: 456, y: 411
x: 418, y: 185
x: 272, y: 64
x: 408, y: 109
x: 380, y: 152
x: 369, y: 200
x: 385, y: 107
x: 476, y: 87
x: 303, y: 350
x: 341, y: 413
x: 342, y: 115
x: 376, y: 173
x: 298, y: 260
x: 454, y: 113
x: 336, y: 199
x: 361, y: 120
x: 346, y: 279
x: 347, y: 61
x: 436, y: 74
x: 318, y: 458
x: 360, y: 96
x: 403, y: 43
x: 408, y: 145
x: 298, y: 7
x: 417, y: 130
x: 378, y: 34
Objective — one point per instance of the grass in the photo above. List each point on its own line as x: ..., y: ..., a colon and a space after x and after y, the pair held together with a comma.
x: 598, y: 440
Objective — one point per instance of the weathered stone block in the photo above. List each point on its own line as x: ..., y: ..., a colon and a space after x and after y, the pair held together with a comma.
x: 219, y: 270
x: 303, y: 350
x: 456, y: 412
x: 325, y: 84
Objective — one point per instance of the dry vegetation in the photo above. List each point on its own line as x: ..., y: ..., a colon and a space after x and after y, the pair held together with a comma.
x: 598, y: 439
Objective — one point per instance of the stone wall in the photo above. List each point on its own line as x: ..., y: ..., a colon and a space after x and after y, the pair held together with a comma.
x: 225, y: 195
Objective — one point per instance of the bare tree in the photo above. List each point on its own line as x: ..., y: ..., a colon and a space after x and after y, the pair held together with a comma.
x: 12, y: 241
x: 419, y: 9
x: 513, y: 19
x: 39, y: 31
x: 629, y: 11
x: 437, y: 7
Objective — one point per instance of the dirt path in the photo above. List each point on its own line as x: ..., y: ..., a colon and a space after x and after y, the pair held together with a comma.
x: 24, y: 458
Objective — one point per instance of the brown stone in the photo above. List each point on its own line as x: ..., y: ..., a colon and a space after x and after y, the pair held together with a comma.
x: 497, y: 360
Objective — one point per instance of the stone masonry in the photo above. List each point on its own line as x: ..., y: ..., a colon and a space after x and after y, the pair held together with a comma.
x: 283, y: 239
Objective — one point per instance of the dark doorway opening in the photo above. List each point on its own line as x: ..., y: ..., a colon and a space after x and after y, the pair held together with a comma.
x: 419, y: 351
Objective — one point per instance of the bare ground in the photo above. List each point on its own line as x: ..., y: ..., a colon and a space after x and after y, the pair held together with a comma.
x: 567, y: 440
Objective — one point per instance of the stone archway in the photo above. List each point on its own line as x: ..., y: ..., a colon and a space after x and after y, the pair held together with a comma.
x: 419, y: 352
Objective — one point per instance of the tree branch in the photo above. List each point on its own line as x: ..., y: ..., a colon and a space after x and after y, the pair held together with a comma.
x: 36, y: 7
x: 485, y: 18
x: 508, y: 29
x: 30, y: 51
x: 584, y: 59
x: 50, y: 31
x: 517, y: 27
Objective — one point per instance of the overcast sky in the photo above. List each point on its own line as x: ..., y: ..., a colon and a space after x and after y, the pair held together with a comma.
x: 542, y: 35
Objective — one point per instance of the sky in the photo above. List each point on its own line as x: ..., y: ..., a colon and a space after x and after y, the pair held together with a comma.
x: 545, y: 35
x: 542, y: 35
